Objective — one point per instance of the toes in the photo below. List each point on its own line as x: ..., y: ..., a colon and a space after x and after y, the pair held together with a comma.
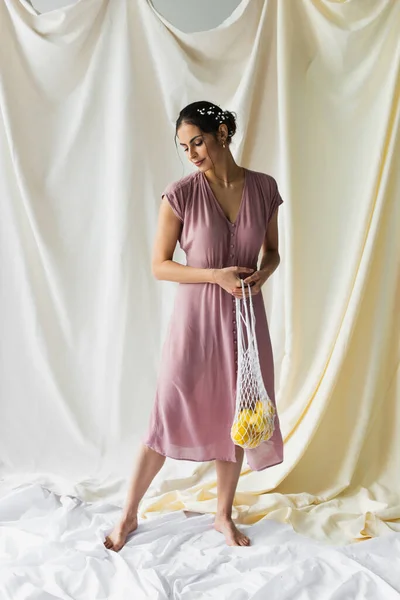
x: 244, y: 541
x: 108, y: 543
x: 233, y: 536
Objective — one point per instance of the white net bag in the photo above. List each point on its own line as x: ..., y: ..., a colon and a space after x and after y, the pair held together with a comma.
x: 254, y: 419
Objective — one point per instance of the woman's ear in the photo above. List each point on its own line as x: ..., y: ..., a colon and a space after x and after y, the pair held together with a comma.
x: 223, y: 134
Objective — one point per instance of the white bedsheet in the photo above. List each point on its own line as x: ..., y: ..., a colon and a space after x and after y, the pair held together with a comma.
x: 52, y: 548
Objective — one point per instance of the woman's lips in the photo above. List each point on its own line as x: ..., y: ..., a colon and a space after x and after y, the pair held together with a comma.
x: 200, y: 162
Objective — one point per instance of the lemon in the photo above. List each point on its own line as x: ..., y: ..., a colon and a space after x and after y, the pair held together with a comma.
x: 244, y: 416
x: 257, y: 422
x: 240, y: 433
x: 271, y: 409
x: 253, y: 426
x: 254, y: 442
x: 259, y: 406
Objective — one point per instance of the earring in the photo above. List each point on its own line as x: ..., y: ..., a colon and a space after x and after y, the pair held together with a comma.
x: 223, y: 144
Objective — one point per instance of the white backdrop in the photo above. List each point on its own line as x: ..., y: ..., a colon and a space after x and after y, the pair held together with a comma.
x: 187, y: 15
x: 89, y: 95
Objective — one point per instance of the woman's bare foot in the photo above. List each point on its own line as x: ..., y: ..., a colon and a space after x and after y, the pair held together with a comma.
x: 117, y: 538
x: 233, y: 536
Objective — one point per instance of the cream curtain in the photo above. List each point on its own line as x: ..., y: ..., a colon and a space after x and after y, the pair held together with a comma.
x: 89, y: 95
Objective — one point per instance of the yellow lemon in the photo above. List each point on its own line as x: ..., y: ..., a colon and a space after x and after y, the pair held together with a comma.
x: 253, y: 426
x: 259, y: 406
x: 271, y: 409
x: 256, y: 420
x: 254, y: 441
x: 240, y: 433
x: 245, y: 416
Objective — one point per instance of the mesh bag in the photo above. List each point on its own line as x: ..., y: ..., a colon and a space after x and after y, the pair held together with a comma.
x: 254, y: 419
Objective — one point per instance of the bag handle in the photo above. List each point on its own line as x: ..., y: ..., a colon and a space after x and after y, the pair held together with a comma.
x: 249, y: 319
x: 250, y: 322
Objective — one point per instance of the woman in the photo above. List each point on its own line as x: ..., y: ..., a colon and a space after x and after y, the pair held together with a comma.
x: 222, y: 215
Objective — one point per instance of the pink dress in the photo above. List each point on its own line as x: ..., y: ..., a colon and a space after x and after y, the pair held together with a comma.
x: 195, y: 397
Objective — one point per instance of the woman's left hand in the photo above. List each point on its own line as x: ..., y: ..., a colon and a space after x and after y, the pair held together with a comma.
x: 256, y: 280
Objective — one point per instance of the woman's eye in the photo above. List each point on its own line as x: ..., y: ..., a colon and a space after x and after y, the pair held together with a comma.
x: 197, y: 145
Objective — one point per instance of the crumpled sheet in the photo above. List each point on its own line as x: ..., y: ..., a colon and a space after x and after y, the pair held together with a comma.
x: 51, y: 547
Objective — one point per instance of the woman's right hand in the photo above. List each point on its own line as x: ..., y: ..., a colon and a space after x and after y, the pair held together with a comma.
x: 228, y: 277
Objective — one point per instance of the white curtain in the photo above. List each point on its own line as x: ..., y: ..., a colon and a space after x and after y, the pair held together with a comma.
x: 89, y: 96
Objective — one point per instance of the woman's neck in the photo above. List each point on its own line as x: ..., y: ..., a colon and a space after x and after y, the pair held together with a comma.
x: 226, y: 172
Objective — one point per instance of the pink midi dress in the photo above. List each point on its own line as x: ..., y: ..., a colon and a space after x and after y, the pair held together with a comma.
x: 196, y: 388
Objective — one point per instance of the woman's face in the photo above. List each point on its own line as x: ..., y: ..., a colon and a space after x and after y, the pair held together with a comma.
x: 202, y: 149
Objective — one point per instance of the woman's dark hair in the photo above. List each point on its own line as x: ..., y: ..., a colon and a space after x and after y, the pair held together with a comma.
x: 207, y: 117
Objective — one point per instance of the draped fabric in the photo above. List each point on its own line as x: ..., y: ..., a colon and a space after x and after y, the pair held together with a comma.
x: 89, y: 96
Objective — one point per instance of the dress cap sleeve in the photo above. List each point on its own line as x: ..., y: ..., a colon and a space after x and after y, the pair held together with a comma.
x: 274, y: 196
x: 176, y: 199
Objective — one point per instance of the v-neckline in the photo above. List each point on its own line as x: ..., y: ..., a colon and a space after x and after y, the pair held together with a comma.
x: 218, y: 204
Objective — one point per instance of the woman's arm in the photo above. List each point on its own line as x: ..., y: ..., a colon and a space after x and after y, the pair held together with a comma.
x: 164, y: 268
x: 270, y: 249
x: 270, y: 258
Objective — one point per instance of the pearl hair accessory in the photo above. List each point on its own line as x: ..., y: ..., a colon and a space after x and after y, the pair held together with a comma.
x: 220, y: 115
